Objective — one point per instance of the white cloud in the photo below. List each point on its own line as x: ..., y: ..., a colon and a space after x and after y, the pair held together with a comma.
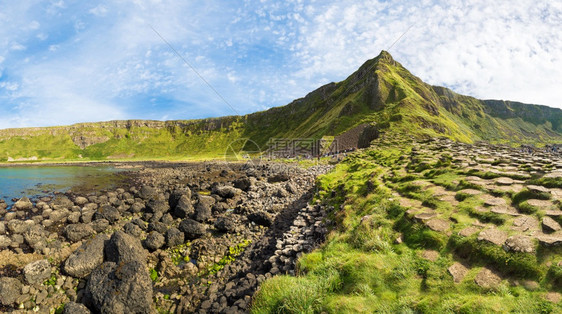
x: 10, y: 86
x: 34, y: 25
x: 17, y: 47
x: 262, y: 53
x: 486, y: 49
x: 100, y: 10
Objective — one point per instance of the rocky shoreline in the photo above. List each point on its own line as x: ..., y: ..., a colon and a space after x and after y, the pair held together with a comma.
x: 176, y: 238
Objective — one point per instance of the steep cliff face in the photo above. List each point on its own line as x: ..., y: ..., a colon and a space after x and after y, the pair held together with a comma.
x: 381, y: 92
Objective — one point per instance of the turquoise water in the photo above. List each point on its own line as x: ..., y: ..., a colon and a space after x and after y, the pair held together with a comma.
x: 16, y: 182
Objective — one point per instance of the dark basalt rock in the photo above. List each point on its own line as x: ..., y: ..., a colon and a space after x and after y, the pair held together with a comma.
x: 225, y: 224
x: 123, y: 248
x: 132, y: 229
x: 177, y: 195
x: 120, y: 288
x: 192, y: 229
x: 88, y: 256
x: 183, y: 208
x: 109, y: 213
x: 174, y: 237
x: 147, y: 192
x: 157, y: 206
x: 154, y: 241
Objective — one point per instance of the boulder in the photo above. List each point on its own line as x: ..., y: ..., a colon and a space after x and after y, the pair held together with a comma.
x: 132, y: 229
x: 23, y: 204
x: 157, y: 226
x: 86, y: 258
x: 183, y: 208
x: 77, y: 232
x: 35, y: 237
x: 19, y: 226
x: 225, y: 224
x: 2, y: 227
x: 10, y: 290
x: 175, y: 197
x: 137, y: 207
x: 123, y: 248
x: 147, y: 192
x: 59, y: 214
x: 37, y: 272
x: 80, y: 201
x: 87, y: 215
x: 157, y: 206
x: 203, y: 210
x: 62, y: 201
x: 120, y: 288
x: 109, y: 213
x: 74, y: 217
x: 174, y: 237
x: 154, y: 241
x: 100, y: 225
x: 192, y: 229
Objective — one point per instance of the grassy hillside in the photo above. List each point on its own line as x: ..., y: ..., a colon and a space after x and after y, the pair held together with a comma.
x: 408, y: 216
x: 381, y: 91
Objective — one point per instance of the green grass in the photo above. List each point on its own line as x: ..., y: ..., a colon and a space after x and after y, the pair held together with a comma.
x: 363, y: 268
x: 547, y: 182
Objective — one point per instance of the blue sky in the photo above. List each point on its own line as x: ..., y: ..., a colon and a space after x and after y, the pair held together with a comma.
x: 63, y: 61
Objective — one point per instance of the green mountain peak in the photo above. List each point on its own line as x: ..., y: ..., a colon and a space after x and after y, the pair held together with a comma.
x: 381, y: 93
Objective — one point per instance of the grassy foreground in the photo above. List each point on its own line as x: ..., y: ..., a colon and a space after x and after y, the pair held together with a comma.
x: 380, y: 258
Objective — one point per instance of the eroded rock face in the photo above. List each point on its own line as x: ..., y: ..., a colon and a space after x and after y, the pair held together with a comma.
x: 120, y: 288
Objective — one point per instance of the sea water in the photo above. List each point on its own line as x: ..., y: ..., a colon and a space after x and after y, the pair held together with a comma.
x: 37, y: 181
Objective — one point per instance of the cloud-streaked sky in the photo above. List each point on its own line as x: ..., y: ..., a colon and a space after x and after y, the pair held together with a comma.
x: 64, y: 61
